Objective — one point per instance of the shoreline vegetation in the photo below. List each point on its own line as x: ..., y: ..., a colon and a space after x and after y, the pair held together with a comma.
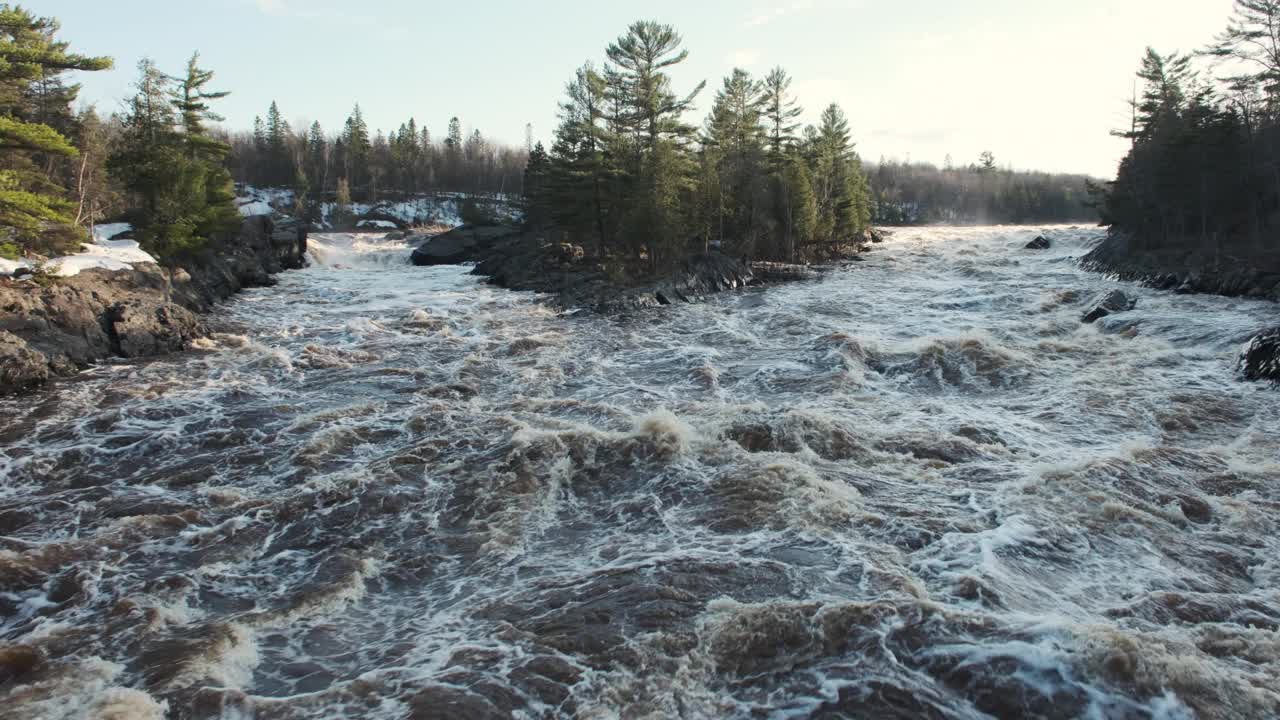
x: 1196, y: 202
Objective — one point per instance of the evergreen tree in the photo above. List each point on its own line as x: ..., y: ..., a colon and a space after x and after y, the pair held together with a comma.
x: 356, y: 143
x: 659, y: 173
x: 453, y: 152
x: 36, y: 213
x: 192, y: 104
x: 781, y: 112
x: 174, y: 169
x: 844, y: 207
x: 650, y: 107
x: 1252, y: 38
x: 317, y: 165
x: 537, y: 198
x: 580, y: 177
x: 799, y: 208
x: 735, y: 138
x: 279, y: 161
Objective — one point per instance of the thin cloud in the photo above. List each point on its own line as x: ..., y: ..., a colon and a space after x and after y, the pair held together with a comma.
x: 768, y: 15
x: 291, y: 8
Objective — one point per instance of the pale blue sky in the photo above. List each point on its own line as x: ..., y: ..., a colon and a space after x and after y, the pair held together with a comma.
x: 1038, y: 82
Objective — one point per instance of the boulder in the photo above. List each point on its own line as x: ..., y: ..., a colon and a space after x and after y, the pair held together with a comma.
x: 1260, y: 359
x: 461, y: 245
x: 21, y: 368
x: 1040, y: 243
x: 142, y: 329
x: 397, y: 235
x: 1108, y: 303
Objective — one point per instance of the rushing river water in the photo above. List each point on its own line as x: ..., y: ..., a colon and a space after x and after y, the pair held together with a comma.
x: 916, y: 488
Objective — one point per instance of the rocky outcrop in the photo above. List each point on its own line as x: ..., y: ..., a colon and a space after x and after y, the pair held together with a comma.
x: 461, y: 245
x: 1040, y: 243
x: 60, y: 327
x: 1106, y: 304
x: 1260, y: 359
x: 1232, y: 268
x: 519, y: 259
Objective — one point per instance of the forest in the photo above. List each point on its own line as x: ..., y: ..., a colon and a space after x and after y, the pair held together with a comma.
x: 370, y: 166
x: 629, y: 177
x: 980, y: 193
x: 1204, y: 162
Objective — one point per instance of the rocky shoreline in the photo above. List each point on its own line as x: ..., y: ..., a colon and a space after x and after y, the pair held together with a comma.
x: 61, y: 327
x: 518, y: 259
x: 1234, y: 270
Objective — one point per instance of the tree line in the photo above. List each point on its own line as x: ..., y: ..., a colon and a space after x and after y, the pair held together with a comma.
x: 165, y: 166
x: 906, y: 193
x: 369, y: 167
x: 629, y: 178
x: 1204, y: 161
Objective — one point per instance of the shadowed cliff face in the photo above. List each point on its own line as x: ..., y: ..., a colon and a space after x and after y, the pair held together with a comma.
x: 1230, y: 267
x: 919, y: 487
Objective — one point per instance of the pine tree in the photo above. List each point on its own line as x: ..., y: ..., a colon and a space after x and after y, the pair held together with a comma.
x: 641, y: 58
x: 1252, y: 39
x: 580, y: 175
x: 844, y: 203
x: 175, y: 170
x: 355, y: 139
x: 279, y: 161
x: 799, y: 208
x: 537, y: 199
x: 781, y: 112
x: 35, y: 210
x: 735, y: 138
x: 453, y: 153
x: 317, y: 158
x: 192, y: 104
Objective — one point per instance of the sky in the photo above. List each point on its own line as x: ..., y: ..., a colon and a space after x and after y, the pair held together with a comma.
x: 1038, y: 83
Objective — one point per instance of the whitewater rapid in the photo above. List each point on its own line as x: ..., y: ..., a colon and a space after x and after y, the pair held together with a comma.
x: 919, y: 487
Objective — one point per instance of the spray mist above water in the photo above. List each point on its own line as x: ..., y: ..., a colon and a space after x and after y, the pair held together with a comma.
x: 917, y: 488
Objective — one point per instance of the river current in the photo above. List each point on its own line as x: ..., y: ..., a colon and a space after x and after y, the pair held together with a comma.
x: 918, y: 487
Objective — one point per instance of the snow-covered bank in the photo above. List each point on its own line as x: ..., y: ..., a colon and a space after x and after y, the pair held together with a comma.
x: 103, y: 252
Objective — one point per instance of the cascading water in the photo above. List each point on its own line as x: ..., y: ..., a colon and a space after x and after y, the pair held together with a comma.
x: 917, y: 488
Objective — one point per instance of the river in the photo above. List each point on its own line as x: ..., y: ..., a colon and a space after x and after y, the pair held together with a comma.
x: 919, y: 487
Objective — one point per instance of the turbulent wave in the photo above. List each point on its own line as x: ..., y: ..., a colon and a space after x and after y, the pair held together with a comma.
x: 919, y: 488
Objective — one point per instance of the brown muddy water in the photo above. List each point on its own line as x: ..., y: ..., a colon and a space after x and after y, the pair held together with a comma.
x: 917, y: 488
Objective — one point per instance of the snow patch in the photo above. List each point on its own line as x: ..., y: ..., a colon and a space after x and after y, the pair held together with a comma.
x: 103, y: 253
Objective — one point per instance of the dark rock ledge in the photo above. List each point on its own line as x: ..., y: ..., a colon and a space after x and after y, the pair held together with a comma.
x: 1232, y: 269
x: 517, y: 259
x: 59, y: 328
